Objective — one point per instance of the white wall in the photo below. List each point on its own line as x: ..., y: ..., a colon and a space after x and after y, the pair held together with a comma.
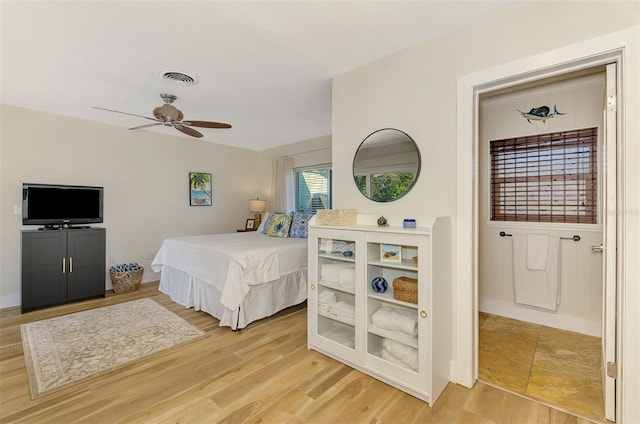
x: 416, y: 91
x: 302, y: 154
x: 316, y: 151
x: 582, y: 101
x: 145, y: 179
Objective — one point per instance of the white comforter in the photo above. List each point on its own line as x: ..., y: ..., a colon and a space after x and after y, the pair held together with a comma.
x: 233, y: 262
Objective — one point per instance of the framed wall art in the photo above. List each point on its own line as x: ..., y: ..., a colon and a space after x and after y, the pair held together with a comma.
x: 390, y: 253
x: 200, y: 189
x: 250, y: 225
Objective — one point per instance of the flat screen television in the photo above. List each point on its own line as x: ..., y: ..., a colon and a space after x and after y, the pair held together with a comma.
x: 54, y: 205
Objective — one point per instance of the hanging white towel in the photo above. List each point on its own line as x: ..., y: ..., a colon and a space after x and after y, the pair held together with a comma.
x: 540, y: 288
x: 537, y: 251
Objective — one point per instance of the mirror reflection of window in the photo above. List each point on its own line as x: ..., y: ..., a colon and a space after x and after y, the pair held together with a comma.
x: 361, y: 183
x: 386, y: 165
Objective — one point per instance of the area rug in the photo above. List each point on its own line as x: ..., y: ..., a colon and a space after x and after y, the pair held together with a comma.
x: 72, y: 348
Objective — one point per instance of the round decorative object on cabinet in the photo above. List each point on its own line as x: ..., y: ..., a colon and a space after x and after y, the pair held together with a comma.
x: 379, y: 285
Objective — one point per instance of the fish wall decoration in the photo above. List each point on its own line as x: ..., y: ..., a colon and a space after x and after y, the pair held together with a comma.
x: 540, y: 113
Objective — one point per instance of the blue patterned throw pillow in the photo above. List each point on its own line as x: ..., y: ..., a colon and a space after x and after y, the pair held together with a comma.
x: 279, y: 226
x: 267, y: 222
x: 300, y: 225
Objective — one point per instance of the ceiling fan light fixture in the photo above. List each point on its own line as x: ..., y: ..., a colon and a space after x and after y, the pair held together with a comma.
x: 170, y: 116
x: 179, y: 78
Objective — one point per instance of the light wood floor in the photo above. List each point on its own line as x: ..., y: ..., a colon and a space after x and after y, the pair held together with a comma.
x: 263, y: 374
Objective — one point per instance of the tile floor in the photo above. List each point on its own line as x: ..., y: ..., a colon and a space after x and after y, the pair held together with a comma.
x: 559, y: 367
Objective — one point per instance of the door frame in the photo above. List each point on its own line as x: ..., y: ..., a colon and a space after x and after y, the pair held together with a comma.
x: 596, y: 52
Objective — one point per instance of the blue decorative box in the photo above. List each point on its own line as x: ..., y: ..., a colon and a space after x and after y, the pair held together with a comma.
x: 409, y: 223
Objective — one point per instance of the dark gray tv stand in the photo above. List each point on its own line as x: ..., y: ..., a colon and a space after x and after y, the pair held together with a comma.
x: 63, y: 227
x: 62, y: 266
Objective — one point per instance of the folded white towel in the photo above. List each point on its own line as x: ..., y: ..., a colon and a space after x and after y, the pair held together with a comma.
x: 396, y: 319
x: 406, y: 354
x: 537, y: 251
x: 347, y: 277
x: 386, y: 355
x: 331, y: 272
x: 342, y: 336
x: 327, y: 297
x: 343, y: 309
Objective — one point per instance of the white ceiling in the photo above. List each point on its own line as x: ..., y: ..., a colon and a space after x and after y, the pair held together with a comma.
x: 263, y: 66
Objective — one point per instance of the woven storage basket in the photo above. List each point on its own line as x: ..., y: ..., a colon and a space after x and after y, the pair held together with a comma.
x: 405, y: 289
x: 336, y: 217
x: 127, y: 281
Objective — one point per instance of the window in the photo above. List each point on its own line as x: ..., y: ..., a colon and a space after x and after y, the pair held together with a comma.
x: 313, y: 189
x: 545, y: 178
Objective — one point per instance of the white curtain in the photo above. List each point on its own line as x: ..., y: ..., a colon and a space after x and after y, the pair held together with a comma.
x: 284, y: 194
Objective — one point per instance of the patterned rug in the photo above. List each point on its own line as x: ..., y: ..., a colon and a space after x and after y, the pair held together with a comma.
x: 72, y: 348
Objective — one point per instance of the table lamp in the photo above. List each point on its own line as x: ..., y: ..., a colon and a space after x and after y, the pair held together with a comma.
x: 257, y: 206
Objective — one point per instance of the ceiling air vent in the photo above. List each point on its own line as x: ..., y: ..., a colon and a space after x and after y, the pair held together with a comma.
x: 179, y: 78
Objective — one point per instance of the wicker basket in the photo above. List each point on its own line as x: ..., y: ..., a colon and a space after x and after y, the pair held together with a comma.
x: 405, y: 289
x: 336, y: 217
x: 128, y: 281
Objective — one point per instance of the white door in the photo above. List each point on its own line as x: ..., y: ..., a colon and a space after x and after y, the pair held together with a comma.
x: 608, y: 249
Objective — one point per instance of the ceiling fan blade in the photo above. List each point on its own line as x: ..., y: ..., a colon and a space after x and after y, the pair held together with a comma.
x: 188, y: 131
x: 139, y: 127
x: 206, y: 124
x: 125, y: 113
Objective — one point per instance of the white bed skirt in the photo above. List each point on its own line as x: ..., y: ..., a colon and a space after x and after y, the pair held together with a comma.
x: 263, y: 300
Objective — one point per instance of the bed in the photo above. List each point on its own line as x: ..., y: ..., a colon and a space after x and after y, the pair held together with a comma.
x: 237, y: 278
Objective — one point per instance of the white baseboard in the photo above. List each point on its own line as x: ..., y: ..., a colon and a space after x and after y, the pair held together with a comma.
x: 149, y: 276
x: 550, y: 319
x: 10, y: 301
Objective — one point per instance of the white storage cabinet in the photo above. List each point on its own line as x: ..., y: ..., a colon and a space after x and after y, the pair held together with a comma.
x: 342, y: 302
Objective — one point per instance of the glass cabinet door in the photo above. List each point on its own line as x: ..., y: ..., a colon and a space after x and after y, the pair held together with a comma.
x: 391, y: 303
x: 336, y: 285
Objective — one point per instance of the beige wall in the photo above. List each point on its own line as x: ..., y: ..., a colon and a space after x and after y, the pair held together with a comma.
x: 316, y: 151
x: 416, y: 91
x: 145, y: 179
x: 582, y: 101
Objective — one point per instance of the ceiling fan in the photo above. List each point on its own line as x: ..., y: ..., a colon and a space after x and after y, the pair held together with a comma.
x: 170, y: 116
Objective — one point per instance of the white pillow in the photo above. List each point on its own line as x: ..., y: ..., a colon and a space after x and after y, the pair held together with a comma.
x: 265, y: 216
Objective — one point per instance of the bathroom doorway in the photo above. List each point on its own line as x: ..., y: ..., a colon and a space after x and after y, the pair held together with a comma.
x: 522, y: 346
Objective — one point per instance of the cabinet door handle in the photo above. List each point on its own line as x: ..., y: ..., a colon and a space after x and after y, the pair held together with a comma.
x: 313, y: 286
x: 423, y: 314
x: 70, y: 263
x: 64, y: 265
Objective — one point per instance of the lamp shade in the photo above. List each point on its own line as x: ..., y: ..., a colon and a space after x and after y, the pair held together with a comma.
x: 257, y: 205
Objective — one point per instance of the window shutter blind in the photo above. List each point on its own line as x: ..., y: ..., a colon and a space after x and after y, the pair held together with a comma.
x: 313, y: 190
x: 545, y: 178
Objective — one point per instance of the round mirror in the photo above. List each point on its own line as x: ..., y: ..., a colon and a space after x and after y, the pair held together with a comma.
x: 386, y: 165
